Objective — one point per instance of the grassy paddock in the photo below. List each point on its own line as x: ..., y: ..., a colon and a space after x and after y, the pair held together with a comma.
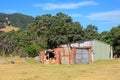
x: 100, y: 70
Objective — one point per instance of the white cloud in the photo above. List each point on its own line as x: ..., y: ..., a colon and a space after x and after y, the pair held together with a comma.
x: 10, y: 11
x: 110, y: 16
x: 50, y: 6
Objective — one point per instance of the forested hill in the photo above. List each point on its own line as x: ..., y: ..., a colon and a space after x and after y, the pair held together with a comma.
x: 17, y: 19
x: 49, y: 31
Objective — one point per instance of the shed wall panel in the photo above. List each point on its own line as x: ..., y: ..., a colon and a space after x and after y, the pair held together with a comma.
x: 82, y: 56
x: 101, y: 50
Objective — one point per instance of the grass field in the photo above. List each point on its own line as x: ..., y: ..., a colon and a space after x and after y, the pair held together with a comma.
x: 100, y: 70
x: 9, y: 28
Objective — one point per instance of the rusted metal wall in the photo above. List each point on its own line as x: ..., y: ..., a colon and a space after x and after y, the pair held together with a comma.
x: 78, y: 58
x: 42, y: 56
x: 57, y: 52
x: 72, y: 56
x: 90, y: 55
x: 67, y: 55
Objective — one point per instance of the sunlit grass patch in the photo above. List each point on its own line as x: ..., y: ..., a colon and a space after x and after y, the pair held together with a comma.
x: 32, y: 70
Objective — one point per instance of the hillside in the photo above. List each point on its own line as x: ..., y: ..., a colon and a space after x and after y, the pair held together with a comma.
x: 17, y: 19
x: 9, y: 28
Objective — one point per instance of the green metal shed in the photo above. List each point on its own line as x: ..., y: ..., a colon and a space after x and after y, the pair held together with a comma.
x: 90, y: 51
x: 101, y: 50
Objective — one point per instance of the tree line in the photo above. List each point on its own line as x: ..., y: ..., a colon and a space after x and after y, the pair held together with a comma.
x: 48, y: 31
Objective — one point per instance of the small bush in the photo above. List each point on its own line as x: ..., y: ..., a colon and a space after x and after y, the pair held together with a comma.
x: 32, y: 50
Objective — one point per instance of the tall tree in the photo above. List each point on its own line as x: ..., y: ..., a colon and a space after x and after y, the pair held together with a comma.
x: 56, y: 30
x: 112, y: 37
x: 91, y: 32
x: 116, y: 41
x: 107, y: 37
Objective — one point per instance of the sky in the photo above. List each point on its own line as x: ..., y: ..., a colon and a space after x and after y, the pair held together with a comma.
x: 105, y: 14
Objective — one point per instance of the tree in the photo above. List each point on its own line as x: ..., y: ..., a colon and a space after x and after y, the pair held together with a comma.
x: 113, y: 38
x: 116, y: 41
x: 91, y: 32
x: 6, y: 43
x: 107, y: 37
x: 56, y: 30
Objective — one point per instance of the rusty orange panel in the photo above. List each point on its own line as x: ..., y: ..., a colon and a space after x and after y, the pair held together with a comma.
x: 73, y: 55
x: 57, y: 56
x: 42, y: 55
x: 90, y: 55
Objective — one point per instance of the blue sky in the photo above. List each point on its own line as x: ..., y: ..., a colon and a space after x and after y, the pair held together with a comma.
x: 103, y: 13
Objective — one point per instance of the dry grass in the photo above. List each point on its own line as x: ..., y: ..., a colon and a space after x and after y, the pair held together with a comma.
x: 101, y: 70
x: 9, y: 28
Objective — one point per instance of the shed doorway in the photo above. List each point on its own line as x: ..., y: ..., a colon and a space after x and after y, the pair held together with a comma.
x: 50, y: 55
x: 82, y: 56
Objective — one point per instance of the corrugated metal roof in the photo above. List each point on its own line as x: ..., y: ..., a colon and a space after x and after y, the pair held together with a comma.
x: 83, y: 44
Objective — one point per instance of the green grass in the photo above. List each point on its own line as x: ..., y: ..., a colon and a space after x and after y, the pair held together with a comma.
x: 32, y: 61
x: 100, y: 70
